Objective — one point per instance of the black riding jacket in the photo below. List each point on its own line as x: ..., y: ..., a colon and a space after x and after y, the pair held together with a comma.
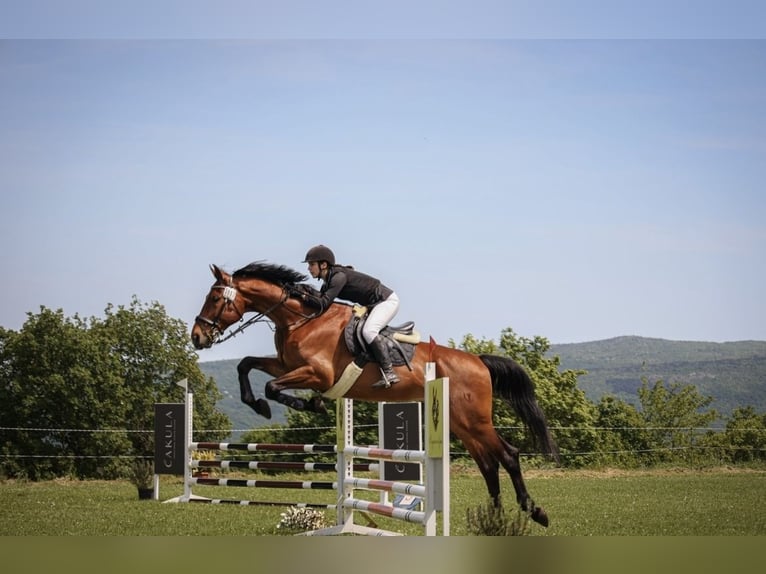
x: 350, y: 285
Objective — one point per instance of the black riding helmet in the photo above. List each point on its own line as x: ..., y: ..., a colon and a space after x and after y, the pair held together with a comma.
x: 320, y: 253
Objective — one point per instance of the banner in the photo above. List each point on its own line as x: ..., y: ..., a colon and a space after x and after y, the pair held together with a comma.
x: 401, y: 430
x: 169, y: 444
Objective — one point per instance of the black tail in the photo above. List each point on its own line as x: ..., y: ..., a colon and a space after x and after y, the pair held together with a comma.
x: 511, y: 382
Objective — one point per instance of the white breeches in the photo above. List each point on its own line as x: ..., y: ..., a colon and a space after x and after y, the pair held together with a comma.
x: 380, y: 316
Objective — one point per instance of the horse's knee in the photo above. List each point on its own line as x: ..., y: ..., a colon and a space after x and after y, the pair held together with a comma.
x: 271, y: 391
x: 243, y: 367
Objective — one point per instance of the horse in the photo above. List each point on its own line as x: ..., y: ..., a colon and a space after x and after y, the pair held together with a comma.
x: 311, y: 354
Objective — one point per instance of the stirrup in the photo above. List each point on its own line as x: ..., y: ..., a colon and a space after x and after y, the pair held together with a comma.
x: 384, y: 383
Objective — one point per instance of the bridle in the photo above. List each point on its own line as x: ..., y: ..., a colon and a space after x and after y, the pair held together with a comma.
x: 230, y: 298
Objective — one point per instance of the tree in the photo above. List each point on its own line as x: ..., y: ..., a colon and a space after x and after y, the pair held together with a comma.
x: 54, y: 380
x: 566, y: 407
x: 673, y: 413
x: 744, y: 439
x: 76, y: 395
x: 154, y: 352
x: 624, y: 438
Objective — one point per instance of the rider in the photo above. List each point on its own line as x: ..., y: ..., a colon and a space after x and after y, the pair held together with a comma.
x: 346, y: 283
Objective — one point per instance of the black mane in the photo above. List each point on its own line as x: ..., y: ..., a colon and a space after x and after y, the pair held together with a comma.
x: 270, y: 272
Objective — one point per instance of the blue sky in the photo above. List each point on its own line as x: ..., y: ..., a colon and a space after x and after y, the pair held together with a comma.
x: 574, y: 189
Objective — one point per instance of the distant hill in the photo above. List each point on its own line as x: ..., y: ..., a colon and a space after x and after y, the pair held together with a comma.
x: 242, y: 416
x: 734, y: 374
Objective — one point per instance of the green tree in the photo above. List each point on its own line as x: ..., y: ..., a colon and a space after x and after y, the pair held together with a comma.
x: 153, y: 352
x: 77, y: 395
x: 622, y: 430
x: 570, y: 415
x: 744, y: 439
x: 55, y: 379
x: 674, y: 415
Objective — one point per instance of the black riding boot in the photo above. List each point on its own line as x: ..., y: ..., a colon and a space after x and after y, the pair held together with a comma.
x: 380, y: 350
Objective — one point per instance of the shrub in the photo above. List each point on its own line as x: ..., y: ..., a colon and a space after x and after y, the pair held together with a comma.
x: 490, y: 520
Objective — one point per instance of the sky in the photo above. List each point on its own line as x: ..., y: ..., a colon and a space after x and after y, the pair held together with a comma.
x: 574, y: 186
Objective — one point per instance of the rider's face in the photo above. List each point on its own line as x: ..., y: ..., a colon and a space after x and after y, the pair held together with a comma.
x: 315, y: 270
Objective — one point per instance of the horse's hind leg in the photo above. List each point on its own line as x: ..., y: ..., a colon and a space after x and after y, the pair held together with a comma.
x: 489, y: 467
x: 314, y: 404
x: 509, y: 458
x: 485, y: 460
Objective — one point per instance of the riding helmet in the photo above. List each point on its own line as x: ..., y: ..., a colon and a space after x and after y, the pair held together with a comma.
x: 320, y: 253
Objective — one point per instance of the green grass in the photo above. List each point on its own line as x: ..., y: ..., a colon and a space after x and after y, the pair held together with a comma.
x: 721, y: 502
x: 666, y: 503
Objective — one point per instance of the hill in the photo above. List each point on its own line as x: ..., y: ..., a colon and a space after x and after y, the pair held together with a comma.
x: 734, y: 374
x: 242, y: 416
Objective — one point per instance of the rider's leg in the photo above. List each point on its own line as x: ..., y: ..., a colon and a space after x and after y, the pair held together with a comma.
x: 383, y: 357
x: 380, y: 316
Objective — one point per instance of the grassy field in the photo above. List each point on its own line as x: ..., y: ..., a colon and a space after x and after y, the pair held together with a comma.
x: 720, y: 502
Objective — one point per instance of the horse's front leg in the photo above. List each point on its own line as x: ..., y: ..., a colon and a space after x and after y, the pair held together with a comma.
x: 266, y: 364
x: 301, y: 378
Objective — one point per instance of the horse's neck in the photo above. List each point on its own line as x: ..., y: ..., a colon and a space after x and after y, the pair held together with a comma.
x: 264, y: 301
x: 334, y: 318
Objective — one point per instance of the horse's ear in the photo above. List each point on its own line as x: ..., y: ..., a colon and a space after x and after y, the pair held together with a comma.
x: 220, y: 275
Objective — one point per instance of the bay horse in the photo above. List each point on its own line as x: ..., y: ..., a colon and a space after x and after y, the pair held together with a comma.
x: 312, y: 355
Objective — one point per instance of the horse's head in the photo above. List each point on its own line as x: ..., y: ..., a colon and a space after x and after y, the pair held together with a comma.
x: 220, y: 310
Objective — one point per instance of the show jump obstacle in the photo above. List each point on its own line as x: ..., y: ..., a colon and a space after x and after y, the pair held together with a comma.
x: 173, y: 451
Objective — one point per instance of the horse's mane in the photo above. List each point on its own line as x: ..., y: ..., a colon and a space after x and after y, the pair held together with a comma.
x: 270, y: 272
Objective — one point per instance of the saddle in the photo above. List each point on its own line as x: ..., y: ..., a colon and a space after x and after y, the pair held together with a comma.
x: 401, y: 340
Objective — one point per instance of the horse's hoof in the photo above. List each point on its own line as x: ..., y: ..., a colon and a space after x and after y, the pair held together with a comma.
x: 318, y: 406
x: 262, y: 407
x: 539, y: 516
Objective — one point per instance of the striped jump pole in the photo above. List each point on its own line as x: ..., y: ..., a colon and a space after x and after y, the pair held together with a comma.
x: 279, y: 465
x: 258, y: 483
x: 264, y: 447
x: 233, y: 502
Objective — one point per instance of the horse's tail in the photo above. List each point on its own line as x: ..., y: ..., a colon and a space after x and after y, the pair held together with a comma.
x: 511, y: 382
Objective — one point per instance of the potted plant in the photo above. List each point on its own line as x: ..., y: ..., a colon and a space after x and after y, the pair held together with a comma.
x: 142, y: 476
